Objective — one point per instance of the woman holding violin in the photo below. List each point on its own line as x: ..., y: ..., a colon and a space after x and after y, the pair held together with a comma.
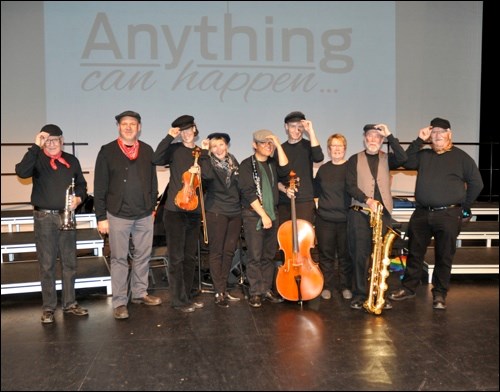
x: 219, y: 170
x: 259, y: 199
x: 182, y: 215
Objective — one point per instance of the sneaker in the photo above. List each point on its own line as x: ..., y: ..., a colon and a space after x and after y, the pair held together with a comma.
x: 347, y: 294
x: 326, y: 294
x: 255, y: 301
x: 273, y: 298
x: 230, y: 298
x: 221, y: 301
x: 120, y: 313
x: 198, y: 305
x: 47, y: 317
x: 147, y: 300
x: 439, y: 302
x: 77, y: 310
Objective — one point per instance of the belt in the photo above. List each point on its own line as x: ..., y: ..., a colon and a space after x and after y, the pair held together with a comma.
x: 49, y: 211
x: 442, y: 208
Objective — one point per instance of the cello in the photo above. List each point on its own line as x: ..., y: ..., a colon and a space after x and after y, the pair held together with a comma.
x: 186, y: 198
x: 299, y: 278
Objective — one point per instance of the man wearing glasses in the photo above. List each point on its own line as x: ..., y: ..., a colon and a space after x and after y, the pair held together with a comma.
x: 53, y: 171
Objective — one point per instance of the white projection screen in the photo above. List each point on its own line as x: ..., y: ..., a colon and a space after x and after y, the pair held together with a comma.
x: 237, y: 67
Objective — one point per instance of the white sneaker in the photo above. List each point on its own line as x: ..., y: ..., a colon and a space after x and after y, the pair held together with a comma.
x: 346, y: 294
x: 326, y: 294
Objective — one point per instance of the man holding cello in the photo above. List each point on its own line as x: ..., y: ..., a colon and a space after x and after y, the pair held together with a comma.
x: 182, y: 215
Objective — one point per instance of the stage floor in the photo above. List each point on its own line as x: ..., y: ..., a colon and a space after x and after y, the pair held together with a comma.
x: 324, y: 345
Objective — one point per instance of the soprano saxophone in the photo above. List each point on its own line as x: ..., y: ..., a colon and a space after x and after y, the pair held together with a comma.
x: 68, y: 216
x: 381, y: 251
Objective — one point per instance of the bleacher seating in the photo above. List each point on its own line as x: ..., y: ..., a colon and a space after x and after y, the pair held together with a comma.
x: 21, y: 274
x: 477, y: 243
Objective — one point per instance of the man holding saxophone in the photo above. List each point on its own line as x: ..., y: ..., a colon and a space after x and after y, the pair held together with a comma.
x: 368, y: 184
x: 53, y: 172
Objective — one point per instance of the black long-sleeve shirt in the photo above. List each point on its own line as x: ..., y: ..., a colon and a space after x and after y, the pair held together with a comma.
x: 220, y: 198
x: 49, y: 185
x: 248, y: 188
x: 443, y: 179
x: 333, y: 199
x: 301, y: 158
x: 179, y: 159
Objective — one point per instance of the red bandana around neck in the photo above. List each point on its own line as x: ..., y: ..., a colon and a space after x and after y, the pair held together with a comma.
x: 54, y: 158
x: 131, y: 152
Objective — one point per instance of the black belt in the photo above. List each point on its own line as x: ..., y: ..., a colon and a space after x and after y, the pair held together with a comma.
x: 442, y: 208
x: 49, y: 211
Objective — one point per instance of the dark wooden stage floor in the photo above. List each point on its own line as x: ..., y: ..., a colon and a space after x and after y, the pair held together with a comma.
x: 323, y: 346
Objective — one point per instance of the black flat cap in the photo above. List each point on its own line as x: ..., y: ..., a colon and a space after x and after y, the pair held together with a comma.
x: 219, y: 135
x: 183, y: 122
x: 128, y: 113
x: 440, y: 123
x: 294, y: 117
x: 52, y: 130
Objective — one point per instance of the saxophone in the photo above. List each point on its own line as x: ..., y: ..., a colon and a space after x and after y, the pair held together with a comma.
x: 68, y: 216
x: 379, y: 271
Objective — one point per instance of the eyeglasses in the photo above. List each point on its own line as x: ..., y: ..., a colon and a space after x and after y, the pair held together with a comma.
x: 269, y: 143
x: 56, y: 140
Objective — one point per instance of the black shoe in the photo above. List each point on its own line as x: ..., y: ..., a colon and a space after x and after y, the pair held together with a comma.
x: 231, y: 298
x: 273, y: 298
x: 439, y: 302
x: 220, y: 300
x: 401, y: 295
x: 189, y: 308
x: 255, y: 301
x: 387, y: 305
x: 357, y: 304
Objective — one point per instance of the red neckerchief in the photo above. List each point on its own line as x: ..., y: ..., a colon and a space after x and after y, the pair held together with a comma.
x: 54, y: 158
x: 131, y: 152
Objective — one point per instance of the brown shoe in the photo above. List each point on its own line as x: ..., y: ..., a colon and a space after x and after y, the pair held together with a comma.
x: 147, y: 300
x: 120, y: 312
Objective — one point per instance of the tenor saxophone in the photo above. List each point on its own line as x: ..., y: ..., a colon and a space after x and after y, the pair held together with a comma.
x: 381, y: 252
x: 68, y: 216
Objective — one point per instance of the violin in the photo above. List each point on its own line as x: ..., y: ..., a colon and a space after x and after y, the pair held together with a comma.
x: 299, y: 278
x: 187, y: 198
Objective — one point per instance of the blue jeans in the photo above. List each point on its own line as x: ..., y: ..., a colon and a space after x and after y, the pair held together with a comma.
x: 51, y: 242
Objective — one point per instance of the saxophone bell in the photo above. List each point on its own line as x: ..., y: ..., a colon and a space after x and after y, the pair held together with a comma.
x: 68, y: 216
x: 381, y: 252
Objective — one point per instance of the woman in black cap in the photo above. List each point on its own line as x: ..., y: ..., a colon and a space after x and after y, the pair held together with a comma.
x: 223, y: 211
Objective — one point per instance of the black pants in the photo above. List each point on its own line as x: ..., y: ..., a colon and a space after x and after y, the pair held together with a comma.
x: 360, y: 240
x: 444, y: 226
x: 332, y: 244
x: 223, y: 236
x: 262, y: 245
x: 183, y: 233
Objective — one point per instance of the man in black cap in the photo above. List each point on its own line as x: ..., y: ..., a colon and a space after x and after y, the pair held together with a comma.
x: 448, y: 182
x: 368, y: 183
x: 182, y: 214
x: 302, y: 154
x: 53, y: 171
x: 125, y: 194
